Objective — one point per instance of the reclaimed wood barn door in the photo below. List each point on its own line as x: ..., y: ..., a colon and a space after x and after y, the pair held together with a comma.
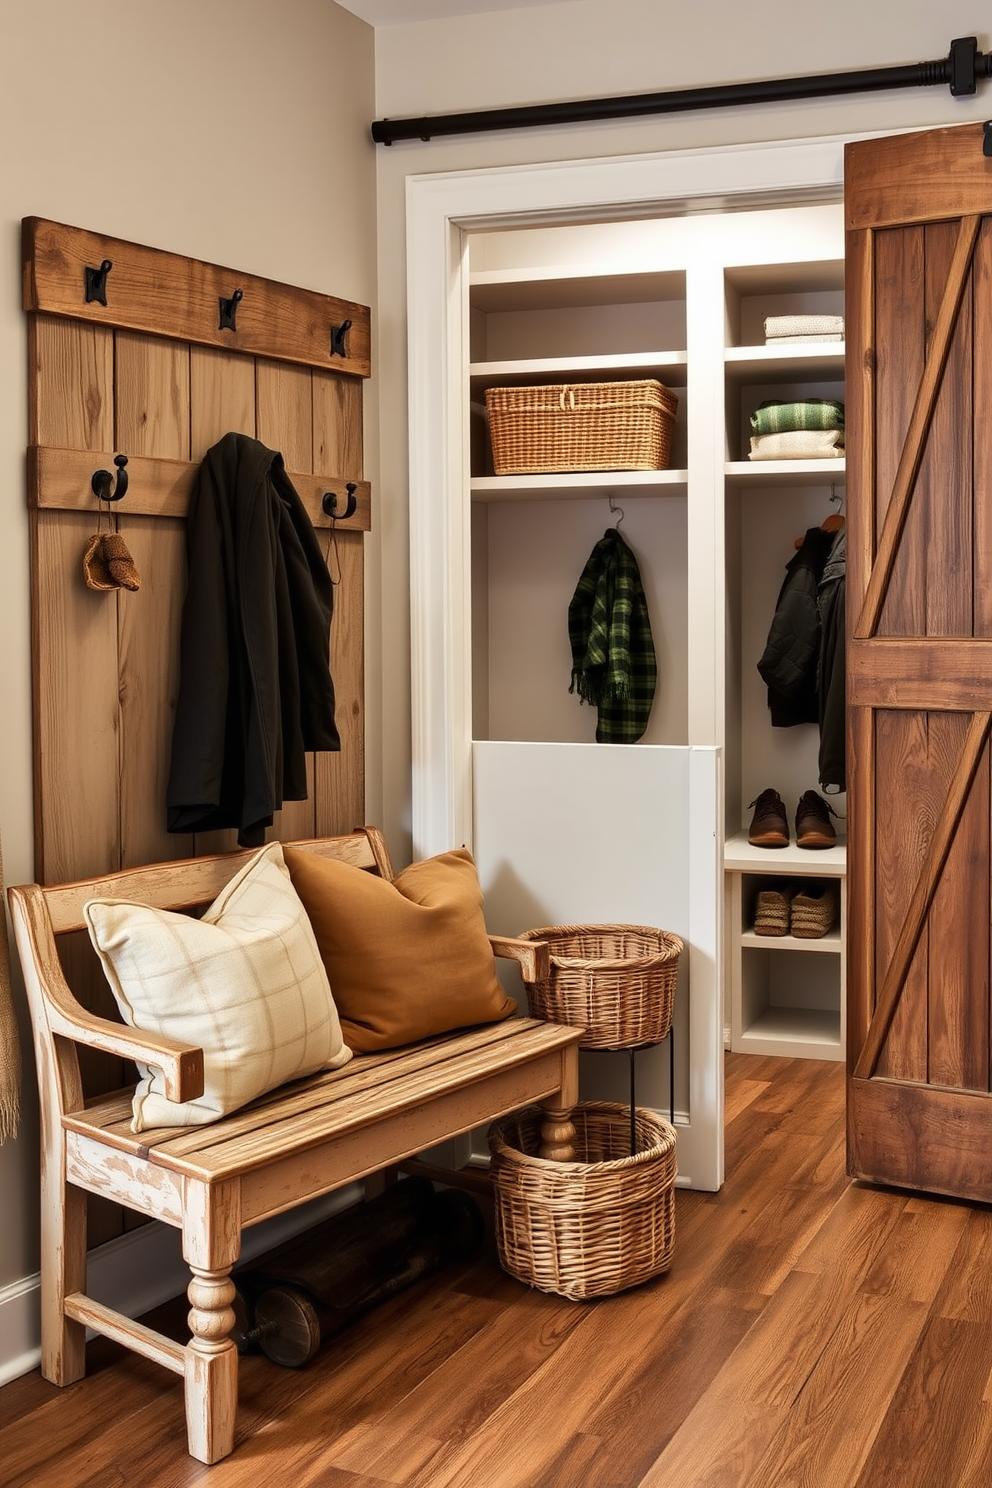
x: 132, y: 352
x: 919, y: 405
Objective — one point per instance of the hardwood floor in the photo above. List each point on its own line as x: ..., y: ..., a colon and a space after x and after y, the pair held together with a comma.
x: 810, y: 1332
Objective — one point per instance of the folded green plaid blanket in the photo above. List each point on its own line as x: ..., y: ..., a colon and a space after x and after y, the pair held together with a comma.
x: 613, y: 658
x: 786, y: 418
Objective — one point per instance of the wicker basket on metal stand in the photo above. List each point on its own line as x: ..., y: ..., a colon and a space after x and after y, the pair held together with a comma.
x: 592, y: 1227
x: 615, y: 981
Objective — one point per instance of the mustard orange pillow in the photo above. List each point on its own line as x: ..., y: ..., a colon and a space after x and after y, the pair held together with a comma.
x: 405, y: 959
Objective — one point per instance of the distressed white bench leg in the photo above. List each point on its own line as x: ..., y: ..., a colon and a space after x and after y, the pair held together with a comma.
x: 211, y: 1245
x: 63, y: 1272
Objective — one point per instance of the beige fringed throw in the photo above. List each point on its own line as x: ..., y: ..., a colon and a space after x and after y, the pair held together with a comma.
x: 10, y: 1048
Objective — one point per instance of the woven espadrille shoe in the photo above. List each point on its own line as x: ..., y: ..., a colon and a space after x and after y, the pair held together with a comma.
x: 814, y: 914
x: 769, y: 824
x: 772, y: 911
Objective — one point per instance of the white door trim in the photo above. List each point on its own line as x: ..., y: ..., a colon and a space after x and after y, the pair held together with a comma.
x: 442, y: 209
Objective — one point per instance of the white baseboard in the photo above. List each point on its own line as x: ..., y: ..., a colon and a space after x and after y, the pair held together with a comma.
x: 138, y: 1271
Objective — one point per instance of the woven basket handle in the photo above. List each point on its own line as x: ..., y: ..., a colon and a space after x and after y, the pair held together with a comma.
x: 568, y: 393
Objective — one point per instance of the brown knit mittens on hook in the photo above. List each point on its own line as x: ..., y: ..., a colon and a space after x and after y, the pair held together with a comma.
x: 107, y: 563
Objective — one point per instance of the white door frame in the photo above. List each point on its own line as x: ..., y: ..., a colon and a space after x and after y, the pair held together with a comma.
x: 442, y: 210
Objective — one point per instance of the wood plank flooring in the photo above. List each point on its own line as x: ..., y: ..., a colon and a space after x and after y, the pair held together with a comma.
x: 811, y: 1332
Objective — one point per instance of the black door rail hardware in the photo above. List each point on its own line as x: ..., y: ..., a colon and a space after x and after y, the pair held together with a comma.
x: 960, y: 69
x: 96, y: 282
x: 338, y: 334
x: 100, y: 481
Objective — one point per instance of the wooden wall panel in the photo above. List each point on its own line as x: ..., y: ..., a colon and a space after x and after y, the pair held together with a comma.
x: 152, y: 395
x: 76, y: 763
x: 284, y: 412
x: 148, y: 661
x: 100, y: 384
x: 222, y: 397
x: 74, y: 630
x: 339, y: 789
x: 71, y: 382
x: 337, y: 425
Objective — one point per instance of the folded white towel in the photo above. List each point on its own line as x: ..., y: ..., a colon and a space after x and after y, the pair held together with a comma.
x: 800, y: 444
x: 803, y: 325
x: 785, y: 340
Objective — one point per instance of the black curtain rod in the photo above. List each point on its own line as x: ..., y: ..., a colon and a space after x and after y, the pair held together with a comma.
x: 961, y: 68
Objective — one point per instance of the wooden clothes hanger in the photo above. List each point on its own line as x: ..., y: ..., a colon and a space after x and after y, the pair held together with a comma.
x: 832, y: 522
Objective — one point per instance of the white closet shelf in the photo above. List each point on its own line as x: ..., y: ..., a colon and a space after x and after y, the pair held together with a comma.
x: 610, y: 367
x: 550, y: 287
x: 811, y: 361
x: 570, y: 485
x: 802, y: 1033
x: 783, y: 472
x: 739, y: 856
x: 830, y: 942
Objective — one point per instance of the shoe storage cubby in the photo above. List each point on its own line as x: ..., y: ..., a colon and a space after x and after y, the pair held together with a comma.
x: 682, y: 300
x: 786, y: 992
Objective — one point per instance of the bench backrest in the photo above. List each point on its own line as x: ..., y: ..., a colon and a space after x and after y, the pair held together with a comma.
x: 56, y: 957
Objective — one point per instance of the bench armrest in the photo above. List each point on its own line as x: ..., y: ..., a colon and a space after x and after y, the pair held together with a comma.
x: 533, y: 955
x: 51, y: 997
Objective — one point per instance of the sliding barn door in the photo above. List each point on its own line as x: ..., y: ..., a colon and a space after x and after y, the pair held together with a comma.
x: 919, y: 402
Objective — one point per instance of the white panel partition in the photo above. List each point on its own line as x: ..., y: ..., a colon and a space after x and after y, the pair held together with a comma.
x: 617, y: 834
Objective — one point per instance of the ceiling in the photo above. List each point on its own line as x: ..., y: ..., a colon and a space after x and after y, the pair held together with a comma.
x: 402, y: 12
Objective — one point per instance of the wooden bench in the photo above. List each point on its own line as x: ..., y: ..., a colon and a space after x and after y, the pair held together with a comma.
x: 287, y: 1147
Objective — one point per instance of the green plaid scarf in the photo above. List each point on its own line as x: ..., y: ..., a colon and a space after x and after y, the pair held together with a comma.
x: 787, y: 418
x: 613, y: 659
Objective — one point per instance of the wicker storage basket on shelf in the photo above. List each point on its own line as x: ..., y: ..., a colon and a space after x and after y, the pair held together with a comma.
x: 588, y: 1228
x: 615, y: 981
x: 582, y: 426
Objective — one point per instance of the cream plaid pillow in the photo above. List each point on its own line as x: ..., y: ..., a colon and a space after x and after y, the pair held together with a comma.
x: 245, y: 982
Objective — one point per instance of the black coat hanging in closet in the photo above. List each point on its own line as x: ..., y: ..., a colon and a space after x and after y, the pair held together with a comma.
x: 255, y: 689
x: 790, y: 661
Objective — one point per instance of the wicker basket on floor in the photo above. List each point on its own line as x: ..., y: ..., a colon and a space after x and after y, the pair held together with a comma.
x: 592, y: 1227
x: 615, y: 981
x: 581, y: 426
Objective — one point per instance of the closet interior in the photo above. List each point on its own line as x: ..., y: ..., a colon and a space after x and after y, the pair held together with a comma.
x: 684, y: 300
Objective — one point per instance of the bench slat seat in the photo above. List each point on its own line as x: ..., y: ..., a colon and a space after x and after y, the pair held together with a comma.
x: 371, y: 1088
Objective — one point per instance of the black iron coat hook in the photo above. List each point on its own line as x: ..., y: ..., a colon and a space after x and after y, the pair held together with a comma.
x: 229, y: 310
x: 96, y: 282
x: 338, y: 333
x: 101, y: 480
x: 329, y: 504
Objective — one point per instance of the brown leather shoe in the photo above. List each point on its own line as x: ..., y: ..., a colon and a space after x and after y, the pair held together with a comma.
x: 769, y: 824
x: 813, y: 825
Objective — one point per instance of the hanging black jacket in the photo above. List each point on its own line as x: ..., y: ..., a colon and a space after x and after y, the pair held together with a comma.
x: 832, y: 676
x: 255, y: 688
x: 790, y: 660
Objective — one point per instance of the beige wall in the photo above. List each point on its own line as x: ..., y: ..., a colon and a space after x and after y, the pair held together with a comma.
x: 597, y: 48
x: 231, y: 130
